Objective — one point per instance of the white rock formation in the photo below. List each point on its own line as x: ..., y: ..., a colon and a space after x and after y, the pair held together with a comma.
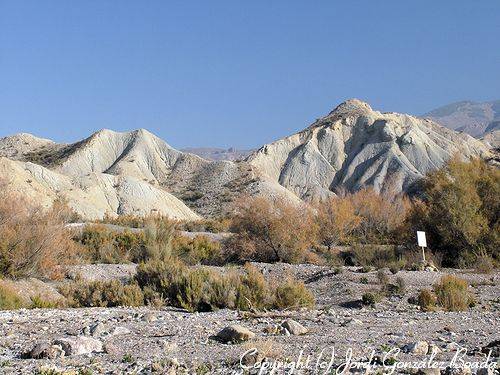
x: 138, y: 173
x: 355, y: 146
x: 93, y: 195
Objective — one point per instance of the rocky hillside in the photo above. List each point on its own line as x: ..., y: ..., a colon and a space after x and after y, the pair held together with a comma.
x: 213, y: 153
x: 92, y: 195
x: 355, y: 146
x: 476, y: 119
x: 132, y: 172
x: 138, y: 173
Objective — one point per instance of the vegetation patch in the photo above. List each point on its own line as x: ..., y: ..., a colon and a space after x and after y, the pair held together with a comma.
x: 202, y: 289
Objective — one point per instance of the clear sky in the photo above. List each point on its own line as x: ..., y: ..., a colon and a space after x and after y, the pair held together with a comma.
x: 235, y: 73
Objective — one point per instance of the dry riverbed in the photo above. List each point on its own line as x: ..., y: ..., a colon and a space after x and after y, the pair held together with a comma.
x: 146, y: 340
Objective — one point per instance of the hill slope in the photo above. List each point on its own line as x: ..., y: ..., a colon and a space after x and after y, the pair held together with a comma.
x: 137, y: 172
x: 213, y: 153
x: 91, y: 196
x: 355, y: 146
x: 208, y: 187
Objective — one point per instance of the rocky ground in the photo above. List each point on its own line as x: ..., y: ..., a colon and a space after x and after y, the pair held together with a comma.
x: 168, y: 340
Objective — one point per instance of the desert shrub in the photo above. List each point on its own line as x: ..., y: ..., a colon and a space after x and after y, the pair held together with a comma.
x: 484, y: 264
x: 105, y: 245
x: 198, y: 250
x: 152, y: 298
x: 272, y: 231
x: 363, y: 280
x: 390, y: 289
x: 401, y: 285
x: 135, y: 221
x: 34, y: 241
x: 394, y: 268
x: 293, y: 294
x: 364, y: 217
x: 426, y: 300
x: 382, y: 277
x: 202, y: 289
x: 378, y: 256
x: 102, y: 294
x: 9, y: 300
x: 460, y: 211
x: 371, y: 298
x: 38, y: 302
x: 253, y: 291
x: 158, y: 235
x: 192, y: 289
x: 452, y: 293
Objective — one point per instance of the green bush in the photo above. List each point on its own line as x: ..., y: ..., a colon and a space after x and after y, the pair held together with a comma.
x: 104, y: 245
x: 158, y: 240
x: 453, y: 294
x: 192, y: 289
x: 378, y: 256
x: 459, y: 211
x: 252, y: 291
x: 202, y: 289
x: 38, y: 302
x: 9, y: 299
x: 198, y: 250
x: 102, y: 294
x: 371, y: 298
x: 293, y: 294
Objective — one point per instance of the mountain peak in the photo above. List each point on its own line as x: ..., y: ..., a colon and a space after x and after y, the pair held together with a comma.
x: 351, y: 106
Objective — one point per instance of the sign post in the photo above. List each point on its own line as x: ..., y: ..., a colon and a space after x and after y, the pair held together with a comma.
x: 422, y: 242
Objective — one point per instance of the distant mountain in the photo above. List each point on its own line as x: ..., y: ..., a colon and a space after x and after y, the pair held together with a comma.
x: 136, y: 172
x: 212, y: 153
x: 476, y: 119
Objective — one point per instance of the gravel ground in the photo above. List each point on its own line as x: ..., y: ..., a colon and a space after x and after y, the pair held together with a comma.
x: 145, y: 340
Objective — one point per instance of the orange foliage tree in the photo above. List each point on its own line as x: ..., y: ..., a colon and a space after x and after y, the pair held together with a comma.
x: 33, y: 242
x: 273, y: 231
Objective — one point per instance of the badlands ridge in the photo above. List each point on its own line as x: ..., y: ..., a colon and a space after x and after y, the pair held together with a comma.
x: 138, y: 173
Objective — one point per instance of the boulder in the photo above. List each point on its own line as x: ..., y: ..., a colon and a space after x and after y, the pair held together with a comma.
x: 417, y: 348
x: 97, y: 329
x: 45, y: 350
x: 294, y: 327
x: 119, y: 331
x: 485, y: 371
x: 79, y: 345
x: 433, y: 349
x: 235, y: 333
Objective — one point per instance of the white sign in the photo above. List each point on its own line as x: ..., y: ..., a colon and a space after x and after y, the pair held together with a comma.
x: 422, y: 242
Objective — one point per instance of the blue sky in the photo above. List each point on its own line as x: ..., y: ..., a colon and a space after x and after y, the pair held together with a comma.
x: 234, y: 73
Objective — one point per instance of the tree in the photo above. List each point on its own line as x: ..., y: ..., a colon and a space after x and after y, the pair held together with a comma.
x: 33, y: 240
x: 460, y: 209
x: 337, y: 221
x: 273, y: 230
x: 381, y: 216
